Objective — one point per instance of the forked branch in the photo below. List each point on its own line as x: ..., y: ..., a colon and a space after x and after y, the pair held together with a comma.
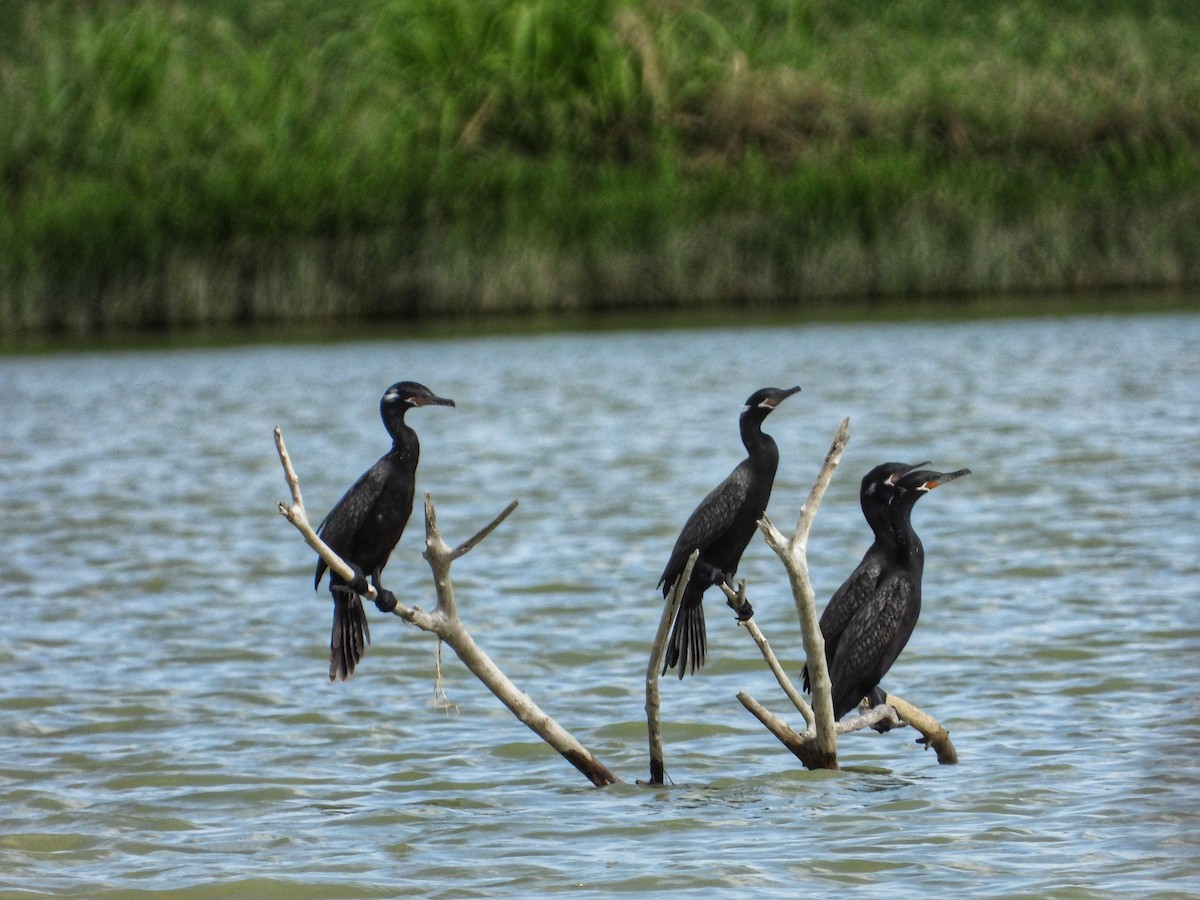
x: 793, y: 552
x: 817, y: 746
x: 445, y: 623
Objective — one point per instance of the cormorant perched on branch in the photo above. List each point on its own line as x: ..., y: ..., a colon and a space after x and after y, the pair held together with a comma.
x: 365, y: 526
x: 721, y: 527
x: 875, y: 495
x: 880, y: 628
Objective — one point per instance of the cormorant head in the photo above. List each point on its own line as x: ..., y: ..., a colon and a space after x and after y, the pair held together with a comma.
x: 885, y: 475
x: 402, y: 396
x: 762, y: 401
x: 879, y: 487
x: 410, y: 393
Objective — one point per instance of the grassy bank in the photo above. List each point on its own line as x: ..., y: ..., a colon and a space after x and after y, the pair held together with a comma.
x: 165, y: 164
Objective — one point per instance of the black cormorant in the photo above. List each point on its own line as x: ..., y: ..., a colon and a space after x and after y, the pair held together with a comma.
x: 365, y: 526
x: 721, y: 527
x: 879, y: 629
x: 875, y: 493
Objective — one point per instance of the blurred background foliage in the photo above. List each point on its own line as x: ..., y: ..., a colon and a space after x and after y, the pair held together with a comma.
x: 164, y: 163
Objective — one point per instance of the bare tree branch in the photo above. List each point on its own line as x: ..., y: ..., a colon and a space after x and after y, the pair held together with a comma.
x: 297, y: 516
x: 793, y: 552
x: 736, y: 599
x: 932, y: 733
x: 450, y: 629
x: 804, y: 745
x: 445, y: 623
x: 817, y: 746
x: 468, y: 545
x: 653, y: 703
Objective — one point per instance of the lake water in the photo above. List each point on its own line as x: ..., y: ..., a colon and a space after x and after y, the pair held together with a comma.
x: 167, y: 725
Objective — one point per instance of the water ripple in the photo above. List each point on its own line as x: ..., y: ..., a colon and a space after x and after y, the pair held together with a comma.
x: 167, y: 726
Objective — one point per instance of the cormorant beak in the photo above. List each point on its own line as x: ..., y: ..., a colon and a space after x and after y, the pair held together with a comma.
x: 430, y: 401
x: 772, y: 402
x: 927, y: 480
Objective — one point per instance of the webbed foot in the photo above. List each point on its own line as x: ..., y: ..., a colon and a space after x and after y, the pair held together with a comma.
x: 385, y: 600
x: 358, y: 584
x: 745, y: 612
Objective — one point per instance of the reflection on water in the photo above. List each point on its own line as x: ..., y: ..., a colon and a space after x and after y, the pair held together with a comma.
x: 166, y: 722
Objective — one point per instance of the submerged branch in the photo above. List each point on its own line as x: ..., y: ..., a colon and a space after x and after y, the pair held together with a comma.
x: 653, y: 703
x: 817, y: 746
x: 448, y: 626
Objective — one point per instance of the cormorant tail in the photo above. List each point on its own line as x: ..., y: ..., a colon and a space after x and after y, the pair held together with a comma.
x: 351, y: 634
x: 688, y: 644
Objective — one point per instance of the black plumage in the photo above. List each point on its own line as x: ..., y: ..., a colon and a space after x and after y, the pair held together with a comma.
x: 880, y: 628
x: 720, y: 528
x: 366, y: 524
x: 874, y: 496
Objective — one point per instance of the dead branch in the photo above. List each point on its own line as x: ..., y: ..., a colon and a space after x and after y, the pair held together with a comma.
x: 295, y: 514
x: 817, y: 746
x: 932, y: 733
x: 804, y: 745
x: 793, y: 552
x: 445, y: 623
x: 448, y: 626
x: 736, y: 599
x: 653, y: 703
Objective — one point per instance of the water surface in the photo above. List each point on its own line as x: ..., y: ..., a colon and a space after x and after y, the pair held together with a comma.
x: 166, y: 723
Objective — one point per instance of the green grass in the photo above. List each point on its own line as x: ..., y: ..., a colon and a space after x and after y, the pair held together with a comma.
x: 170, y: 164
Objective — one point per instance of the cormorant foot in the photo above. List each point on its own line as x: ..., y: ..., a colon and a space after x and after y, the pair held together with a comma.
x: 385, y: 600
x: 358, y: 584
x: 746, y: 612
x: 878, y: 697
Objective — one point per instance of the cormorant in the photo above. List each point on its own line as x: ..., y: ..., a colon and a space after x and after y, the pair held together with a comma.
x: 874, y: 496
x: 879, y: 629
x: 365, y: 526
x: 721, y: 527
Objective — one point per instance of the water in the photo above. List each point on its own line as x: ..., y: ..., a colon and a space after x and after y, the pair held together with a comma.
x: 166, y: 724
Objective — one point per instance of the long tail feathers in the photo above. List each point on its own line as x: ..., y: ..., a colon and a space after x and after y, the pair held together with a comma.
x: 351, y: 635
x: 688, y: 644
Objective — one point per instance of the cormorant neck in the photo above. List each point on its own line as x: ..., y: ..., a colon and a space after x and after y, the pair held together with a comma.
x: 909, y: 549
x: 401, y: 432
x: 756, y: 441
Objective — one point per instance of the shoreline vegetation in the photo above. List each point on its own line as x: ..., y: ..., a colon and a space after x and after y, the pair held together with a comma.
x: 167, y: 166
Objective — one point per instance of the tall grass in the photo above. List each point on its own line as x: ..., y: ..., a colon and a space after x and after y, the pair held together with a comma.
x: 167, y: 163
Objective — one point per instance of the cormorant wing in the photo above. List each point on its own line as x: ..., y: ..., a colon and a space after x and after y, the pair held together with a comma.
x: 873, y: 638
x: 847, y: 600
x: 708, y: 522
x: 338, y: 528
